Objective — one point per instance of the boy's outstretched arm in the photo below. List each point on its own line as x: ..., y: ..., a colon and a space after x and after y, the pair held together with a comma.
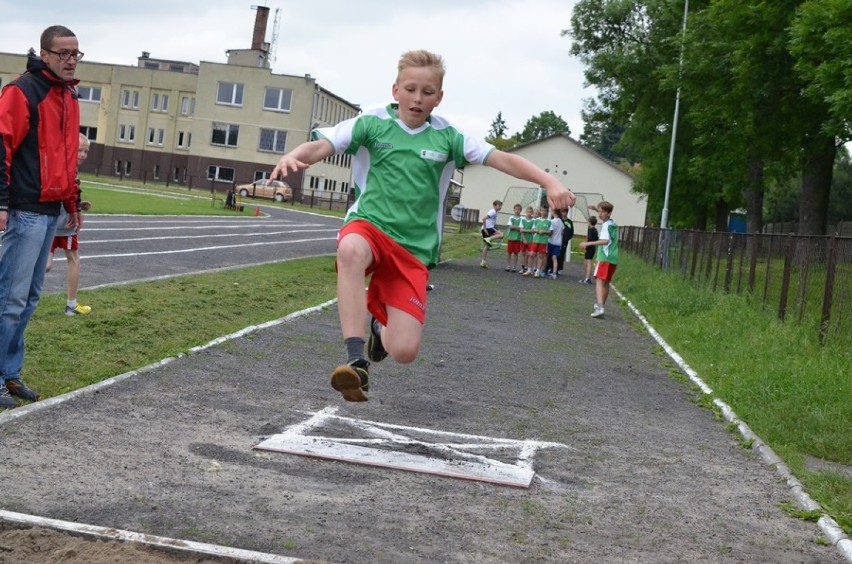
x: 558, y: 196
x: 302, y: 157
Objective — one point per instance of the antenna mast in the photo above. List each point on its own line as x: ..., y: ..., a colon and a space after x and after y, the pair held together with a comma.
x: 273, y: 47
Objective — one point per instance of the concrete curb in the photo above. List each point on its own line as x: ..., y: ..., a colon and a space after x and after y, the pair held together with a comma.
x: 829, y: 526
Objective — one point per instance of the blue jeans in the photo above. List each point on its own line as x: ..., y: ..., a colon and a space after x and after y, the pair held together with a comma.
x: 24, y: 249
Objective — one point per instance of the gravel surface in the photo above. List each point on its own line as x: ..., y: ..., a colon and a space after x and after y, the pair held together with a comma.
x: 639, y: 472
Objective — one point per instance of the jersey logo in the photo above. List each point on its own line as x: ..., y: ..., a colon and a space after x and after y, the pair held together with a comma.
x: 383, y: 145
x: 433, y: 155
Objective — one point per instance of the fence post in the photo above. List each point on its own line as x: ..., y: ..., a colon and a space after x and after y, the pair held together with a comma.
x: 785, y: 278
x: 829, y: 289
x: 729, y: 264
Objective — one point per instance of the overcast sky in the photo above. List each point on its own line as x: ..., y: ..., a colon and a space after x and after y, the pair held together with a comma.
x: 501, y: 55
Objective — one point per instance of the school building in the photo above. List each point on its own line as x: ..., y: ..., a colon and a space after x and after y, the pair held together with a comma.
x: 591, y: 177
x: 205, y: 125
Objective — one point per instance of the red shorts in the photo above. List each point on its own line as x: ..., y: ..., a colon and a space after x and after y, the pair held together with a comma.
x: 513, y: 247
x: 398, y: 278
x: 605, y: 270
x: 65, y: 243
x: 539, y: 248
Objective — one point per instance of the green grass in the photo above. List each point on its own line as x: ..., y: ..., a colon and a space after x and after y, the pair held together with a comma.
x: 143, y: 323
x: 791, y: 391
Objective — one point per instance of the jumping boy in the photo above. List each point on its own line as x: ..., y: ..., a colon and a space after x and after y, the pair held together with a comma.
x: 607, y: 256
x: 403, y: 159
x: 513, y: 247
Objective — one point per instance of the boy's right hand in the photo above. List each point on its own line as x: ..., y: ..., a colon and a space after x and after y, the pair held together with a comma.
x: 287, y: 164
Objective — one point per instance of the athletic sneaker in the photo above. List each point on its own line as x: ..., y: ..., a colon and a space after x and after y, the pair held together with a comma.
x: 430, y: 287
x: 352, y: 380
x: 527, y: 273
x: 483, y: 265
x: 375, y: 349
x: 598, y: 311
x: 17, y: 387
x: 508, y: 269
x: 553, y: 276
x: 487, y: 242
x: 78, y: 310
x: 6, y: 399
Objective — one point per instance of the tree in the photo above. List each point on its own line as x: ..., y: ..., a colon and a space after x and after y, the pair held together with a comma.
x: 497, y: 132
x: 498, y: 127
x: 542, y: 126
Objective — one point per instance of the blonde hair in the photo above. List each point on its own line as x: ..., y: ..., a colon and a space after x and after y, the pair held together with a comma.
x: 421, y: 58
x: 84, y: 140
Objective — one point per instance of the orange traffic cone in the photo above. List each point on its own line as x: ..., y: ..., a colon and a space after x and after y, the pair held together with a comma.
x: 256, y: 211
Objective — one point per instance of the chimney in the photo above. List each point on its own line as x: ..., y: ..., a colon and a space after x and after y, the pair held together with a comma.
x: 257, y: 40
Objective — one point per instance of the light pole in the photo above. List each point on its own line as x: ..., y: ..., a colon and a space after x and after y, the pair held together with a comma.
x: 663, y: 257
x: 664, y: 221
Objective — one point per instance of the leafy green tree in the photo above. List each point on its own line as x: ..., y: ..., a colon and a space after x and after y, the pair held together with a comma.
x: 543, y: 125
x: 498, y: 127
x: 821, y: 42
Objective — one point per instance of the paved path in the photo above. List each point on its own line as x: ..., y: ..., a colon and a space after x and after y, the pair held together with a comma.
x: 628, y: 467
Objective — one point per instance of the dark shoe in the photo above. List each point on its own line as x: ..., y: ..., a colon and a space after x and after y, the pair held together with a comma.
x: 375, y: 349
x: 17, y: 387
x: 352, y: 380
x: 6, y: 400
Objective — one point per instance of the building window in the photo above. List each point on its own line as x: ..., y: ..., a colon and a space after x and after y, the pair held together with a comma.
x: 156, y: 137
x: 184, y: 140
x: 176, y: 174
x: 156, y: 172
x: 277, y: 99
x: 130, y: 99
x: 261, y: 175
x: 230, y: 93
x: 159, y: 102
x: 89, y: 94
x: 152, y: 66
x: 176, y: 68
x: 91, y: 133
x: 122, y: 167
x: 272, y: 140
x: 220, y: 173
x: 225, y: 134
x: 127, y: 133
x: 126, y: 168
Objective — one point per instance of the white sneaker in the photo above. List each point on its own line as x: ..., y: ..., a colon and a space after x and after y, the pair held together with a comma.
x: 553, y: 276
x: 599, y: 311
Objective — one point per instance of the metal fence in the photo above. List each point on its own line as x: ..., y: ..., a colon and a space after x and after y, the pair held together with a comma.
x: 804, y: 278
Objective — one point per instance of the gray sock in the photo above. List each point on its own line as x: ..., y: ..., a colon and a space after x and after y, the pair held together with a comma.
x: 354, y: 348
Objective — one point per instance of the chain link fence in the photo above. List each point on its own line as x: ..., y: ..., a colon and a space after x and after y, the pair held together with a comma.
x: 805, y: 279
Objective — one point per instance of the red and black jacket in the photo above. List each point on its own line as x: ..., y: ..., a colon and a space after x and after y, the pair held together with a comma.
x: 40, y: 129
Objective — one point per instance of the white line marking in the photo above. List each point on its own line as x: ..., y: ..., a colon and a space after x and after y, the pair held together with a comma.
x: 199, y: 249
x: 170, y: 544
x: 828, y: 526
x: 457, y: 461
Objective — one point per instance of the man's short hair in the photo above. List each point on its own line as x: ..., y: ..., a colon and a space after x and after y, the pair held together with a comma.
x: 51, y: 33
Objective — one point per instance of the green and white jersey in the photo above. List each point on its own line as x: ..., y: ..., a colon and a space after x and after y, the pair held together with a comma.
x: 528, y: 224
x: 514, y: 234
x: 608, y: 252
x: 401, y: 175
x: 544, y: 224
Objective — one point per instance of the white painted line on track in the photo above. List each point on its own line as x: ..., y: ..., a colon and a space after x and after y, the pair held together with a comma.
x: 829, y: 526
x: 166, y: 543
x: 200, y: 249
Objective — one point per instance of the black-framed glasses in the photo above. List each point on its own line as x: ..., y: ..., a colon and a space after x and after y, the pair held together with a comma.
x: 65, y: 55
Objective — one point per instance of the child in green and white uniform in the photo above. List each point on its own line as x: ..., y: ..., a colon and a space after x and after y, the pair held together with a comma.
x: 403, y: 160
x: 542, y: 234
x: 513, y: 246
x: 527, y: 235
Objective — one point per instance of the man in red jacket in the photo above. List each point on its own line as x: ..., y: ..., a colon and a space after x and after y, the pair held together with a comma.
x: 39, y: 130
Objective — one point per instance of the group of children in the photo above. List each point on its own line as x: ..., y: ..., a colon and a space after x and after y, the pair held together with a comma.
x: 537, y: 242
